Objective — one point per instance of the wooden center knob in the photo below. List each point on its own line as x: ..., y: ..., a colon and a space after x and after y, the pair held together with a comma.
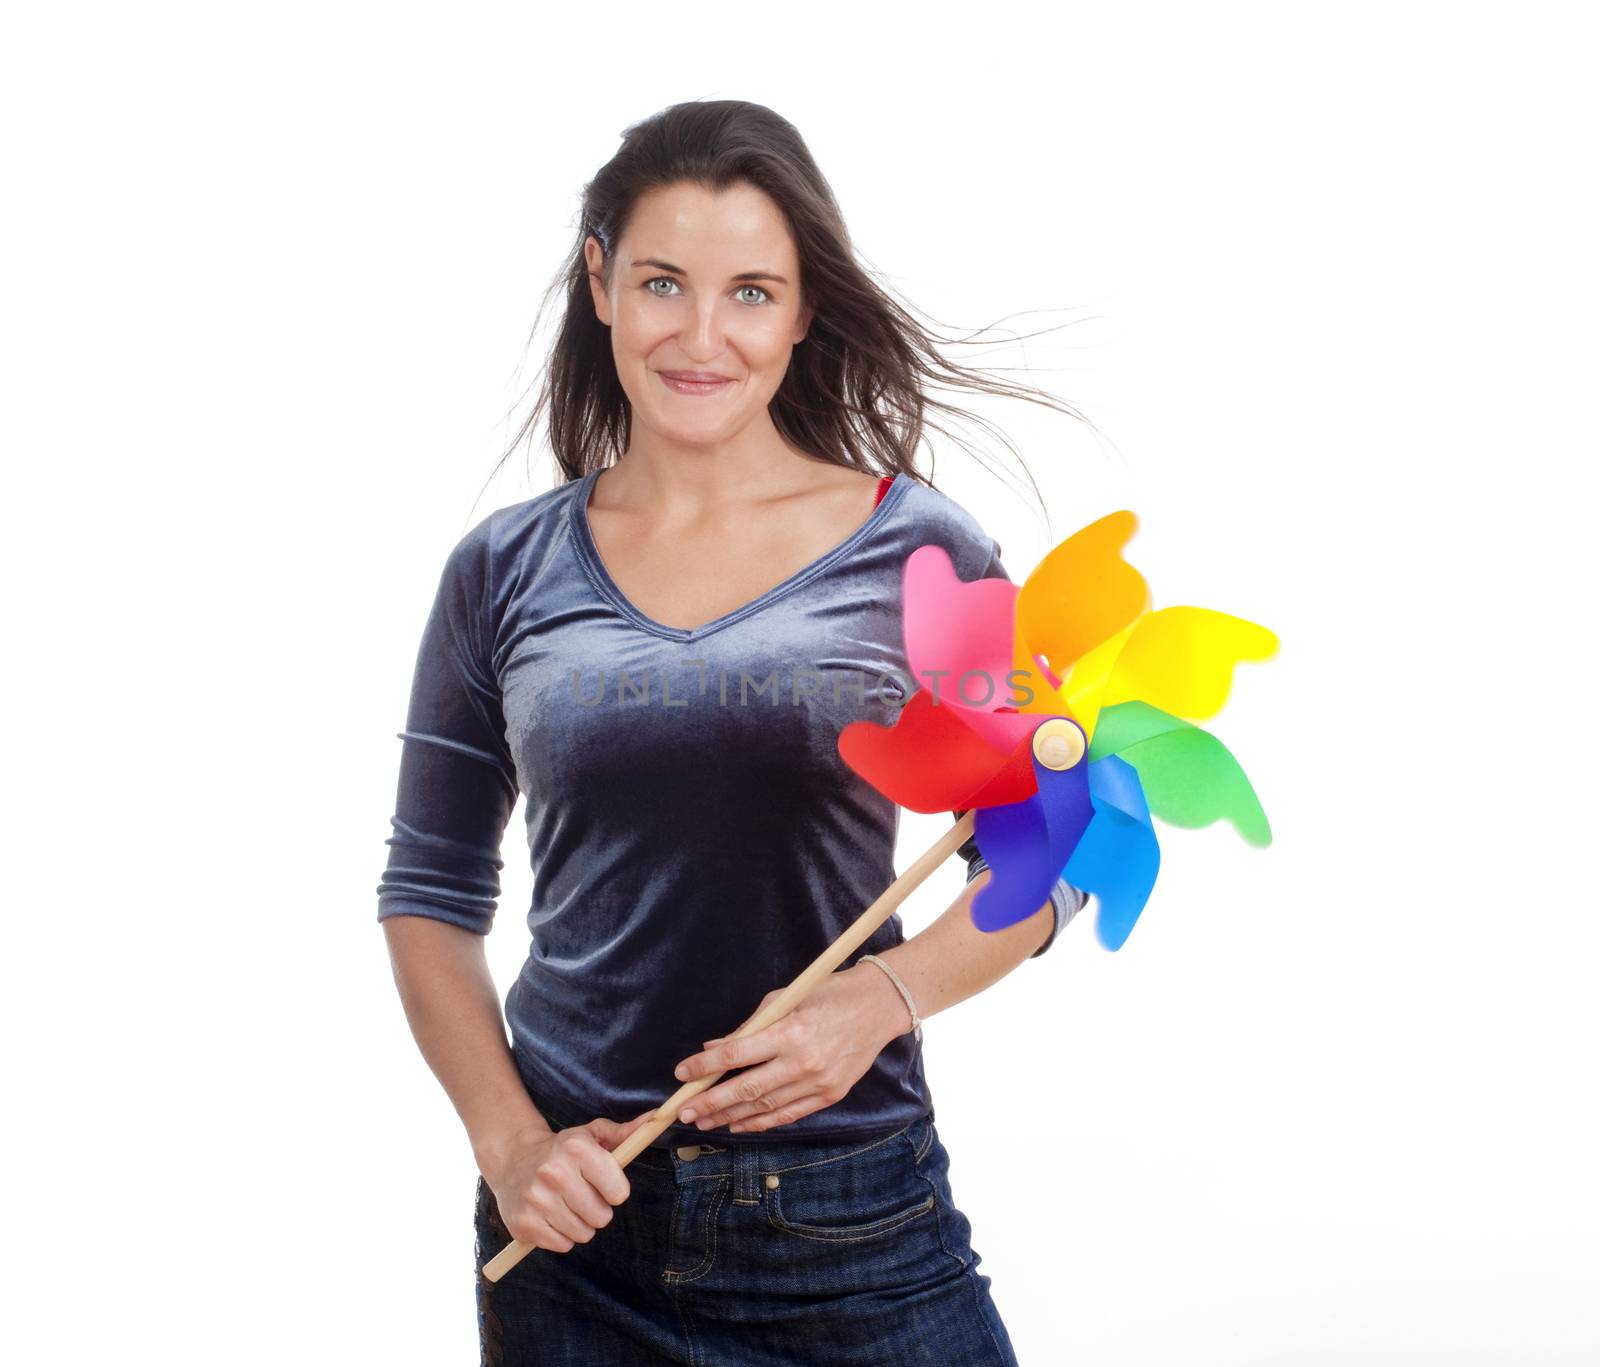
x: 1058, y: 743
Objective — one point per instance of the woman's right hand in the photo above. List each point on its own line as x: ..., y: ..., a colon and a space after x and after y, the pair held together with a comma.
x: 555, y: 1189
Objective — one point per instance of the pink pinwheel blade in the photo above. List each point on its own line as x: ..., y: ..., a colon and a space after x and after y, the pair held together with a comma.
x: 960, y: 643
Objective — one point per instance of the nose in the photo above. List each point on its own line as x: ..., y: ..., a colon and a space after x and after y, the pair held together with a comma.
x: 702, y: 339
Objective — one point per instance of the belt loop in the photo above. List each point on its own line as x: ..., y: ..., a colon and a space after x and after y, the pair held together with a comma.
x: 746, y: 1168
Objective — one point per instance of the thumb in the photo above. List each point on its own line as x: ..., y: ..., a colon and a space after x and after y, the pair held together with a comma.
x: 610, y: 1133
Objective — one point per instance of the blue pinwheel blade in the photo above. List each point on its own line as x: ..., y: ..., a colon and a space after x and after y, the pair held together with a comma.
x: 1117, y: 857
x: 1026, y: 843
x: 1068, y: 808
x: 1015, y: 841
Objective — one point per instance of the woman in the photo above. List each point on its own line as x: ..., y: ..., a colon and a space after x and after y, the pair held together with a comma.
x: 659, y: 655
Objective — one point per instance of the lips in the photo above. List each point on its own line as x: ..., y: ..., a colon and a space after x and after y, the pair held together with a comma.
x: 694, y: 381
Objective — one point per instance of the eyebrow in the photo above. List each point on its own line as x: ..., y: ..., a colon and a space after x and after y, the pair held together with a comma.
x: 679, y: 270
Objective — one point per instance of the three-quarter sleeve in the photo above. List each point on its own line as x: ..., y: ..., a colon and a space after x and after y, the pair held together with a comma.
x: 1065, y: 900
x: 457, y: 786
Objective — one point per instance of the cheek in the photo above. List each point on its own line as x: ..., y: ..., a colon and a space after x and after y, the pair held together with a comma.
x: 768, y: 347
x: 636, y: 331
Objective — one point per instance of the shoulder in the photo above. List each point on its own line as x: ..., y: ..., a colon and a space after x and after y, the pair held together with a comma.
x: 489, y: 552
x: 930, y: 516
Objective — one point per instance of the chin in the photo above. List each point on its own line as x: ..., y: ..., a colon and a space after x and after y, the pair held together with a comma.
x: 712, y: 429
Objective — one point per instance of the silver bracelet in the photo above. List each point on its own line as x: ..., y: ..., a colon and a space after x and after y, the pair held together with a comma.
x: 911, y: 1006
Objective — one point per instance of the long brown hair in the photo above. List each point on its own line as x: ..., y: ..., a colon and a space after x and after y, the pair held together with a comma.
x: 855, y: 392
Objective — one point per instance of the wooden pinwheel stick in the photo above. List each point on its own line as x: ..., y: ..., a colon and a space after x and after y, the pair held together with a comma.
x: 780, y: 1006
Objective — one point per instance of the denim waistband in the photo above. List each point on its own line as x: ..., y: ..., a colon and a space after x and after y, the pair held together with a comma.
x: 670, y: 1151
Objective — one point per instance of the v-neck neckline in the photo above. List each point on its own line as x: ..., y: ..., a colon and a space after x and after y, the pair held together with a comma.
x: 583, y: 538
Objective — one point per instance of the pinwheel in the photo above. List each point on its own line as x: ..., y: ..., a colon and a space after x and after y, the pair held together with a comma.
x: 1082, y: 733
x: 1080, y: 730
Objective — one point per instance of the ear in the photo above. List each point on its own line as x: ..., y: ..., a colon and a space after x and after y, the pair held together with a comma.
x: 594, y: 260
x: 803, y: 325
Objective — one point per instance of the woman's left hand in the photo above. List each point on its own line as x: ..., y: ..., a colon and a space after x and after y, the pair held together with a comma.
x: 806, y: 1061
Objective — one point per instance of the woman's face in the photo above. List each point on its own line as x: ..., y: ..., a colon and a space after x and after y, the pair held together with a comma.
x: 706, y: 282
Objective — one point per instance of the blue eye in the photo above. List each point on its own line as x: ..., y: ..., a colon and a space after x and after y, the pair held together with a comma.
x: 668, y: 280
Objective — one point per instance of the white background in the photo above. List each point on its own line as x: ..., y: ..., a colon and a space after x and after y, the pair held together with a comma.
x: 1331, y: 281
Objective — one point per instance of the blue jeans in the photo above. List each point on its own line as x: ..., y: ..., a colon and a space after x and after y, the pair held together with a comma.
x: 755, y: 1255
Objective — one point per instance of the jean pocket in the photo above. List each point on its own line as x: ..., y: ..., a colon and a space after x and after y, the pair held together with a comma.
x: 863, y: 1193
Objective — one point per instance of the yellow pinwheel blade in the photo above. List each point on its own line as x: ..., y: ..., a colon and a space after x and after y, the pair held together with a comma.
x: 1083, y: 690
x: 1181, y: 660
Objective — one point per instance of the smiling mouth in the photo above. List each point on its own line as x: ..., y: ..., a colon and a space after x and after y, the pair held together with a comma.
x: 684, y: 385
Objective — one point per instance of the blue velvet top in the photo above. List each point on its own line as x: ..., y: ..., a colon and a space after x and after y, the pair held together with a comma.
x: 696, y: 839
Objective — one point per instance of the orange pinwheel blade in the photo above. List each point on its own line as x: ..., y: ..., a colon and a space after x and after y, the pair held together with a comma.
x: 1078, y: 597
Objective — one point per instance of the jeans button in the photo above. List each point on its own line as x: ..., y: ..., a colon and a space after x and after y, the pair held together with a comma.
x: 688, y: 1152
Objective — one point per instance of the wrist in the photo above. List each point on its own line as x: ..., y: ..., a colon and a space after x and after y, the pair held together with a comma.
x: 894, y: 1014
x: 493, y: 1146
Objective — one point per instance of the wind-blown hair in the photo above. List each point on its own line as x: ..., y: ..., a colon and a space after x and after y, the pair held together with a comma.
x: 856, y: 391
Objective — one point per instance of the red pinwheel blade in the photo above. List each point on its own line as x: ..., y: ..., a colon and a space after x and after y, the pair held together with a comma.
x: 1016, y: 781
x: 929, y: 761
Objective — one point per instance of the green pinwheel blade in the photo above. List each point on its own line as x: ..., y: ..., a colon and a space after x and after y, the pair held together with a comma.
x: 1189, y: 777
x: 1127, y: 724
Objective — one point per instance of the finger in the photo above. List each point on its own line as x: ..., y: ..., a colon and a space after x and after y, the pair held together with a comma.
x: 788, y: 1105
x: 729, y: 1053
x: 601, y: 1184
x: 679, y: 1072
x: 530, y: 1227
x: 639, y: 1120
x: 550, y: 1201
x: 772, y: 1100
x: 571, y: 1203
x: 584, y: 1212
x: 707, y: 1109
x: 611, y: 1133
